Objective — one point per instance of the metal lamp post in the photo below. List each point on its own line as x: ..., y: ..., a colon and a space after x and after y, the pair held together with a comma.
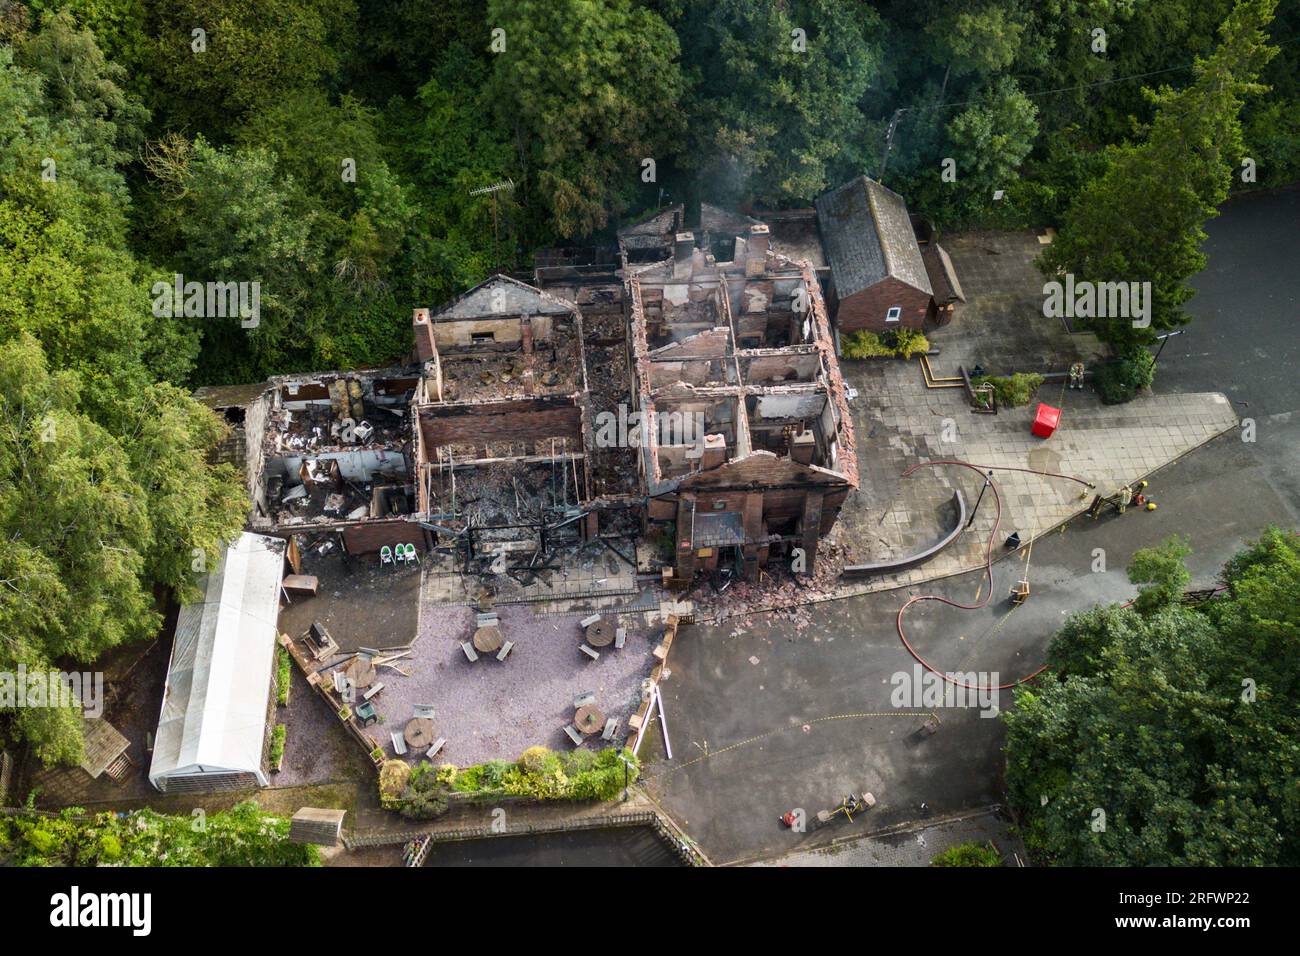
x: 988, y: 480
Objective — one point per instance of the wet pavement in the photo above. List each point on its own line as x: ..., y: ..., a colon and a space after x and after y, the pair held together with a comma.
x: 775, y: 718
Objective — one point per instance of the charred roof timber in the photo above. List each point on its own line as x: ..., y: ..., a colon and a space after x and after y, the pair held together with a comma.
x: 736, y: 374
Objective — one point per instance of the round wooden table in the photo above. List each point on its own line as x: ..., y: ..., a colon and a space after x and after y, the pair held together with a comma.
x: 600, y: 633
x: 418, y: 732
x: 589, y: 719
x: 361, y: 672
x: 487, y: 639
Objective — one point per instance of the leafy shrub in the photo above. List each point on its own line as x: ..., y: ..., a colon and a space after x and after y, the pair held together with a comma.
x: 542, y: 774
x: 1120, y: 380
x: 110, y: 848
x: 393, y: 776
x: 907, y: 342
x: 425, y: 796
x: 278, y: 735
x: 241, y: 836
x: 283, y: 676
x: 1140, y: 365
x: 902, y: 343
x: 863, y: 345
x: 1012, y: 390
x: 968, y: 854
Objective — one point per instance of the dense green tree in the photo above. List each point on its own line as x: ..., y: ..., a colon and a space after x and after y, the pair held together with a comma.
x: 73, y: 533
x: 400, y: 42
x: 1163, y: 573
x: 777, y: 94
x: 105, y: 492
x: 979, y: 41
x: 1165, y: 734
x: 250, y: 54
x: 453, y: 147
x: 590, y: 88
x: 988, y: 142
x: 119, y: 27
x: 1142, y: 219
x: 244, y: 835
x: 232, y: 216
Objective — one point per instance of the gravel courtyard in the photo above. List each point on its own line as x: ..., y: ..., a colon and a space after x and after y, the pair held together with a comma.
x: 490, y: 709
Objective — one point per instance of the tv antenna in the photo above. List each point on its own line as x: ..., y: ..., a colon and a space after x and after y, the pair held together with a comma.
x: 503, y: 186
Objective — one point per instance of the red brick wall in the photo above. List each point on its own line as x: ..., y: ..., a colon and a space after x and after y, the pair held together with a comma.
x: 867, y: 309
x: 370, y: 536
x: 500, y: 422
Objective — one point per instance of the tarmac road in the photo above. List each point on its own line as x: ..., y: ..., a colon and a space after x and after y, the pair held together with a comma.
x: 779, y: 717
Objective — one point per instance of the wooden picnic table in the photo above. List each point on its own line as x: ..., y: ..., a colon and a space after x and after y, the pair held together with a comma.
x: 418, y: 732
x: 487, y: 639
x: 360, y: 671
x: 600, y: 633
x: 589, y: 719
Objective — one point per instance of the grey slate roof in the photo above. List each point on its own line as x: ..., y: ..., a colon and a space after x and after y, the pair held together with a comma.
x: 868, y: 235
x: 516, y: 298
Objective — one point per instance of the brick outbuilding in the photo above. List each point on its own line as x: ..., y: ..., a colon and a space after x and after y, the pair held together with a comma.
x: 879, y: 279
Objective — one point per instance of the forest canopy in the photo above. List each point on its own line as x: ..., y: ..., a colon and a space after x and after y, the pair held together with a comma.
x: 337, y: 154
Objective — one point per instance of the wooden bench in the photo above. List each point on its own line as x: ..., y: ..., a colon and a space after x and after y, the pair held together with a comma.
x: 437, y: 745
x: 372, y: 691
x: 506, y: 648
x: 470, y: 653
x: 590, y: 652
x: 620, y: 638
x: 572, y: 731
x: 611, y: 726
x: 399, y: 742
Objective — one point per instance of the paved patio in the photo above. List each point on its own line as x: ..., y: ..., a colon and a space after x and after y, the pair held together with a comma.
x: 904, y: 424
x: 1001, y: 326
x: 900, y: 422
x: 494, y: 710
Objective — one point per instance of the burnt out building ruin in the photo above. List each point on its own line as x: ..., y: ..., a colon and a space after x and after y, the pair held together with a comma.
x: 736, y: 358
x: 505, y: 439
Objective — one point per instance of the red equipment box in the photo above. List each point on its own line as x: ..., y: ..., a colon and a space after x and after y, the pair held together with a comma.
x: 1046, y: 420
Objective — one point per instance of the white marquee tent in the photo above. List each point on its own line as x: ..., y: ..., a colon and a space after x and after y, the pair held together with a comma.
x: 214, y: 711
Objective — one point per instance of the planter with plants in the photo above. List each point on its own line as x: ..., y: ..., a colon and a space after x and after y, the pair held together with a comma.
x: 538, y: 775
x: 283, y: 676
x: 1011, y: 390
x: 276, y: 757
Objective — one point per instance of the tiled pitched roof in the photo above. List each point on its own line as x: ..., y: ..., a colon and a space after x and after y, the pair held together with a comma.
x: 511, y: 297
x: 868, y: 236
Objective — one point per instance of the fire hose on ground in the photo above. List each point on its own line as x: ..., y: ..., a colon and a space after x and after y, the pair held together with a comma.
x: 984, y: 471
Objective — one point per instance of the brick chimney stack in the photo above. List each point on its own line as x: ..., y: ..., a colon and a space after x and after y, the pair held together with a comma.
x: 423, y: 329
x: 683, y: 251
x: 756, y: 249
x: 715, y: 452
